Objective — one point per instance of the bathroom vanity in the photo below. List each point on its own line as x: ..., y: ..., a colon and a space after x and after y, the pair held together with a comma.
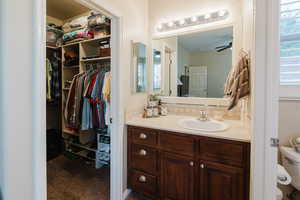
x: 171, y: 163
x: 178, y: 157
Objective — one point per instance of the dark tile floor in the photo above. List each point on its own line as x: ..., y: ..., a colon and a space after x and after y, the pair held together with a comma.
x: 73, y: 180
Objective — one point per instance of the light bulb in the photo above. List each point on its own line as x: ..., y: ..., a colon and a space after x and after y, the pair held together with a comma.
x: 159, y: 27
x: 182, y: 22
x: 221, y: 13
x: 170, y: 24
x: 207, y: 16
x: 194, y: 19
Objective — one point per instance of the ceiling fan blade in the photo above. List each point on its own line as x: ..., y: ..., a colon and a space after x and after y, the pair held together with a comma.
x: 220, y: 47
x: 219, y: 50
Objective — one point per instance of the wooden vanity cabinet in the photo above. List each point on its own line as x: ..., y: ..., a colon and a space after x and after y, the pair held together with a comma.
x: 221, y: 182
x: 177, y: 177
x: 174, y: 166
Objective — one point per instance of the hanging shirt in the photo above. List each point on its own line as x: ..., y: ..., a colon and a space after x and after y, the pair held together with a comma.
x: 97, y: 102
x: 70, y: 107
x: 48, y: 78
x: 107, y: 87
x: 86, y: 107
x: 106, y: 96
x: 55, y: 82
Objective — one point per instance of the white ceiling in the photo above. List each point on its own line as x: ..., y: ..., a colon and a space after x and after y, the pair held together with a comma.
x: 64, y: 9
x: 206, y: 41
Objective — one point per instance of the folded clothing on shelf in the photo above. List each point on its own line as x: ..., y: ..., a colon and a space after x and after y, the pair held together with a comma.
x: 75, y: 24
x: 81, y: 33
x: 53, y: 35
x: 71, y: 58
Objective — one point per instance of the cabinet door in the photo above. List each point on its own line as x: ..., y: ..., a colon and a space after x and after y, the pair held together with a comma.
x: 177, y: 174
x: 221, y: 182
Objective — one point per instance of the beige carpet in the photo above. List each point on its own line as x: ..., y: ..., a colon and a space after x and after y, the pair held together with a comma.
x: 73, y: 180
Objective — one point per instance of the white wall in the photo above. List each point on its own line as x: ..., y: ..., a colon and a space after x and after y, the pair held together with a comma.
x: 289, y: 121
x: 218, y: 66
x: 16, y: 100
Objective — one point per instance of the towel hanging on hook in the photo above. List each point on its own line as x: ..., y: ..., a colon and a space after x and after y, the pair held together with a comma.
x: 237, y: 84
x: 244, y: 53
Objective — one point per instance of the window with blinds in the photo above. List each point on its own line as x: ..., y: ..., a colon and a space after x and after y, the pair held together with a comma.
x: 290, y: 42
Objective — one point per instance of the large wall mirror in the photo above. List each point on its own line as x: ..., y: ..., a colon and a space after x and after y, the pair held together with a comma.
x: 193, y: 65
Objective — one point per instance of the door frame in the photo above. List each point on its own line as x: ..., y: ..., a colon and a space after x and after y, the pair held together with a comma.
x: 201, y: 66
x: 39, y: 161
x: 265, y: 99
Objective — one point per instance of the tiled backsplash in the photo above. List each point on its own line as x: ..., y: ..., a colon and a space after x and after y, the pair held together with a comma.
x: 215, y: 112
x: 240, y: 112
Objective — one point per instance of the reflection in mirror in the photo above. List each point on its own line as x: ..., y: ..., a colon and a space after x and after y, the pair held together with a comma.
x: 196, y: 64
x: 139, y: 68
x: 156, y: 70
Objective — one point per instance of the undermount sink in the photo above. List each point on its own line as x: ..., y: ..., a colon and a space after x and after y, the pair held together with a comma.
x: 206, y: 126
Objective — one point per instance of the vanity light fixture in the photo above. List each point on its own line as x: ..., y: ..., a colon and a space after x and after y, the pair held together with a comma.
x: 193, y: 21
x: 159, y: 27
x: 171, y: 24
x: 221, y: 13
x: 207, y: 16
x: 182, y: 22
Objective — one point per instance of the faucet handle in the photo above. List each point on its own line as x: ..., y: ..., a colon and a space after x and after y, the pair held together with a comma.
x: 203, y: 115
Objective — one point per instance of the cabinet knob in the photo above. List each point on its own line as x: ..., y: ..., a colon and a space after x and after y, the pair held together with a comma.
x: 202, y: 166
x: 142, y: 179
x: 143, y: 152
x: 192, y: 163
x: 143, y: 136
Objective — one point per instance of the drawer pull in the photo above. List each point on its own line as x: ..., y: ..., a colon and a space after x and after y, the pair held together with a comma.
x: 143, y: 152
x: 191, y: 163
x: 143, y: 136
x: 202, y: 166
x: 142, y: 179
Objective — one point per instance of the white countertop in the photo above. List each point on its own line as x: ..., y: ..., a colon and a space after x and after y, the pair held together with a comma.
x: 237, y: 131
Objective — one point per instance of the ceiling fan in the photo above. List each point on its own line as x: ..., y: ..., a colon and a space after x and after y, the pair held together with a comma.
x: 224, y: 47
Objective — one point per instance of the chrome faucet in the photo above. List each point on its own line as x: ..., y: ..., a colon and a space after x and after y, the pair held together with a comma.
x: 203, y: 115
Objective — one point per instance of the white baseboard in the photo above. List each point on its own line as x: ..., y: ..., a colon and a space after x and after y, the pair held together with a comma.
x: 126, y: 194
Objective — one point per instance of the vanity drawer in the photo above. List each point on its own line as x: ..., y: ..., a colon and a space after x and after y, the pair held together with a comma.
x: 143, y: 136
x: 184, y: 145
x: 144, y: 158
x: 143, y: 183
x: 227, y: 152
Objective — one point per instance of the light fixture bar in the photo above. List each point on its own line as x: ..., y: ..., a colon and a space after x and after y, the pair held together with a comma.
x: 193, y: 20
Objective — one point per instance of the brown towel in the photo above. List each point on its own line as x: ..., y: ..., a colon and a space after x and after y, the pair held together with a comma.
x: 239, y: 83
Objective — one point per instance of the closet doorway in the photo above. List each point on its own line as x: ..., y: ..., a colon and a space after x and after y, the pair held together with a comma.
x: 83, y: 105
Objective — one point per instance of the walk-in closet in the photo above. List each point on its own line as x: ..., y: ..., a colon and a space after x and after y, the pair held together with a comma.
x: 78, y: 82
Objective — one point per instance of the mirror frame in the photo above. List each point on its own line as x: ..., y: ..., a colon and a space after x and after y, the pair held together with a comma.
x: 133, y: 69
x: 196, y: 100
